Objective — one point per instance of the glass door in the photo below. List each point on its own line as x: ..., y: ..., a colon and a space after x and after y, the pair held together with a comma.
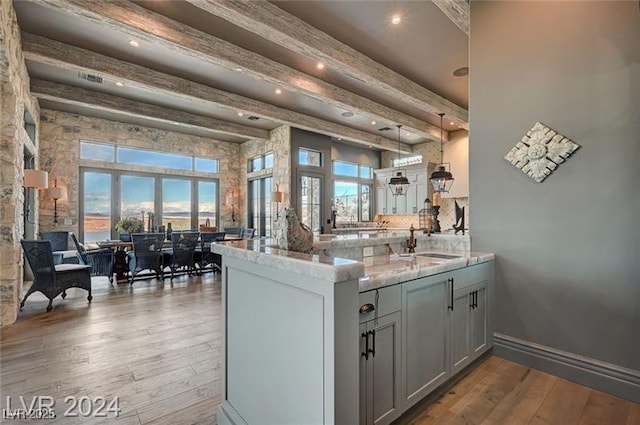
x: 260, y: 206
x: 310, y: 201
x: 96, y: 206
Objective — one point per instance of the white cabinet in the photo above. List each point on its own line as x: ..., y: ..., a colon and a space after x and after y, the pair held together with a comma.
x: 380, y: 356
x: 424, y: 336
x: 413, y: 201
x: 456, y: 153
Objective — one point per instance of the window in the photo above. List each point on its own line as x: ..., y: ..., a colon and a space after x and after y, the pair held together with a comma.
x: 352, y: 196
x: 262, y: 162
x: 145, y: 157
x: 261, y: 215
x: 185, y: 202
x: 176, y: 203
x: 309, y: 157
x: 97, y: 152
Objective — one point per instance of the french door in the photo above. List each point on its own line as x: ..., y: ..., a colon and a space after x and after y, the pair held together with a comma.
x: 310, y: 200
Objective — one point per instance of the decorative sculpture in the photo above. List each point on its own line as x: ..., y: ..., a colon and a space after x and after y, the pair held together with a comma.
x: 292, y: 234
x: 540, y: 152
x: 459, y: 225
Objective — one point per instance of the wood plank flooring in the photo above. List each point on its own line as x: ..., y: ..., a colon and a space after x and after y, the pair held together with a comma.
x: 157, y: 347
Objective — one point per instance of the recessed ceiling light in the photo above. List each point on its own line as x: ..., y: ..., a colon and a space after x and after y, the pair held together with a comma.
x: 373, y: 123
x: 451, y: 123
x: 134, y: 43
x: 240, y: 114
x: 320, y: 65
x: 370, y: 146
x: 347, y: 114
x: 278, y: 91
x: 461, y: 72
x: 395, y: 19
x: 339, y: 138
x: 406, y: 133
x: 119, y: 84
x: 239, y: 69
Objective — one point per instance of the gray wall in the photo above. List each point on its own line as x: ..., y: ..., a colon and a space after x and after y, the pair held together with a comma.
x: 568, y: 257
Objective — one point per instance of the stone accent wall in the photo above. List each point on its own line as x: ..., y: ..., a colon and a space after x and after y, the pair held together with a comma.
x: 280, y: 144
x: 61, y: 133
x: 15, y: 97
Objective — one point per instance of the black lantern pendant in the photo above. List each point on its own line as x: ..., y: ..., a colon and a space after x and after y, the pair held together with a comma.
x: 441, y: 179
x: 398, y: 184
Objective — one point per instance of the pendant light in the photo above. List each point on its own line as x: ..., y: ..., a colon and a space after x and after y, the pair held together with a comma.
x: 441, y: 179
x: 398, y: 184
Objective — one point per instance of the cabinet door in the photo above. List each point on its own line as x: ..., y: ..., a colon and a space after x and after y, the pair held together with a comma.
x: 424, y: 336
x: 363, y: 374
x: 385, y: 372
x: 460, y: 330
x: 380, y: 373
x: 479, y: 321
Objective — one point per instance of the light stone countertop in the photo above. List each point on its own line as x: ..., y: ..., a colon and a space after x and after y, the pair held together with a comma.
x: 373, y: 272
x: 385, y: 270
x: 379, y: 238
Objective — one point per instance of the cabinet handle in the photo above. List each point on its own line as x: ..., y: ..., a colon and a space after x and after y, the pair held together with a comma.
x: 450, y: 280
x: 373, y: 343
x: 365, y: 353
x: 475, y: 299
x: 471, y: 295
x: 367, y: 308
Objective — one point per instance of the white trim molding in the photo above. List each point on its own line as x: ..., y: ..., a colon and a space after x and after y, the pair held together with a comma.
x: 607, y: 377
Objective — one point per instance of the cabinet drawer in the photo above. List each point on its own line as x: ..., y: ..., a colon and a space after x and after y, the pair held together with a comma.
x: 389, y: 301
x: 471, y: 275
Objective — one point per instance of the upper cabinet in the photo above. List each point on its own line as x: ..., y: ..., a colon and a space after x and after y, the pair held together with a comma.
x: 419, y: 189
x: 456, y: 153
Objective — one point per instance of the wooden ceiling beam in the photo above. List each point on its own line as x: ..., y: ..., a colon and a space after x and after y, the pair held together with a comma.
x: 278, y: 26
x: 43, y: 50
x: 151, y: 27
x: 457, y: 11
x: 109, y: 103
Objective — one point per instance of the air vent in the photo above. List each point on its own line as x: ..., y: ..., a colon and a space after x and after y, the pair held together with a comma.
x: 92, y: 78
x: 384, y: 129
x: 253, y: 118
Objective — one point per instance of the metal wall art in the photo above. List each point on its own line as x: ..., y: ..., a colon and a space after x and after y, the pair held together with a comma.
x: 540, y: 152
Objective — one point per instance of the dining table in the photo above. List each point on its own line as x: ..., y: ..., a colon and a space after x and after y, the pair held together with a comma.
x: 120, y: 267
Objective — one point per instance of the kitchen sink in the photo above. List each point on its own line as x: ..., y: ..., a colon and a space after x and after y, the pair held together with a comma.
x: 434, y: 255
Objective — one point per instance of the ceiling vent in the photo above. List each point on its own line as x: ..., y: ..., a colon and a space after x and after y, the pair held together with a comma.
x: 384, y: 129
x: 92, y: 78
x: 253, y: 118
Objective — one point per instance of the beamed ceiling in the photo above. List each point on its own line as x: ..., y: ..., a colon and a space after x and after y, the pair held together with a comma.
x: 212, y: 67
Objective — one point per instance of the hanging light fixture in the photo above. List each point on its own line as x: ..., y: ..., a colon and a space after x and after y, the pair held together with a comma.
x: 441, y: 179
x: 398, y: 184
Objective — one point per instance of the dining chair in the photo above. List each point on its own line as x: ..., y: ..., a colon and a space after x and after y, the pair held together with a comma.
x: 236, y: 231
x: 60, y: 246
x: 146, y: 254
x: 181, y: 254
x: 204, y: 256
x: 53, y: 279
x: 101, y: 260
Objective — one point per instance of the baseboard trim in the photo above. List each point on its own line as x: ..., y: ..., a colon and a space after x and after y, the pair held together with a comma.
x: 607, y: 377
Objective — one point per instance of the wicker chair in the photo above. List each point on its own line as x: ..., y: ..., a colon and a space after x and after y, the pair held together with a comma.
x: 234, y: 231
x: 203, y: 255
x: 60, y: 246
x: 181, y: 254
x: 146, y: 254
x: 51, y: 279
x: 100, y: 260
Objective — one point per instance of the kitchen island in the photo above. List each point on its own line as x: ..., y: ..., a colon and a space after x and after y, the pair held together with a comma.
x: 317, y: 339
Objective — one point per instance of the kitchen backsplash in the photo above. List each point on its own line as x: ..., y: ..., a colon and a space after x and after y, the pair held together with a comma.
x: 446, y: 216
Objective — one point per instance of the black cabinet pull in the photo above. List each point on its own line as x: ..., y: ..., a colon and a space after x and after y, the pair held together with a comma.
x: 373, y: 343
x: 471, y: 300
x: 365, y: 353
x: 476, y: 299
x: 450, y: 280
x: 367, y: 308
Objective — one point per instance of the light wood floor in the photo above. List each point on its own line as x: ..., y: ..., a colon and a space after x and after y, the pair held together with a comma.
x: 157, y: 347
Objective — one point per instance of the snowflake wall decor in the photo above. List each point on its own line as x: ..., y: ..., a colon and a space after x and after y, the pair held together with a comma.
x: 540, y: 152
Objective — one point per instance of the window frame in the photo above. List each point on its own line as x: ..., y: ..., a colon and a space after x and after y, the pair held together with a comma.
x: 360, y: 181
